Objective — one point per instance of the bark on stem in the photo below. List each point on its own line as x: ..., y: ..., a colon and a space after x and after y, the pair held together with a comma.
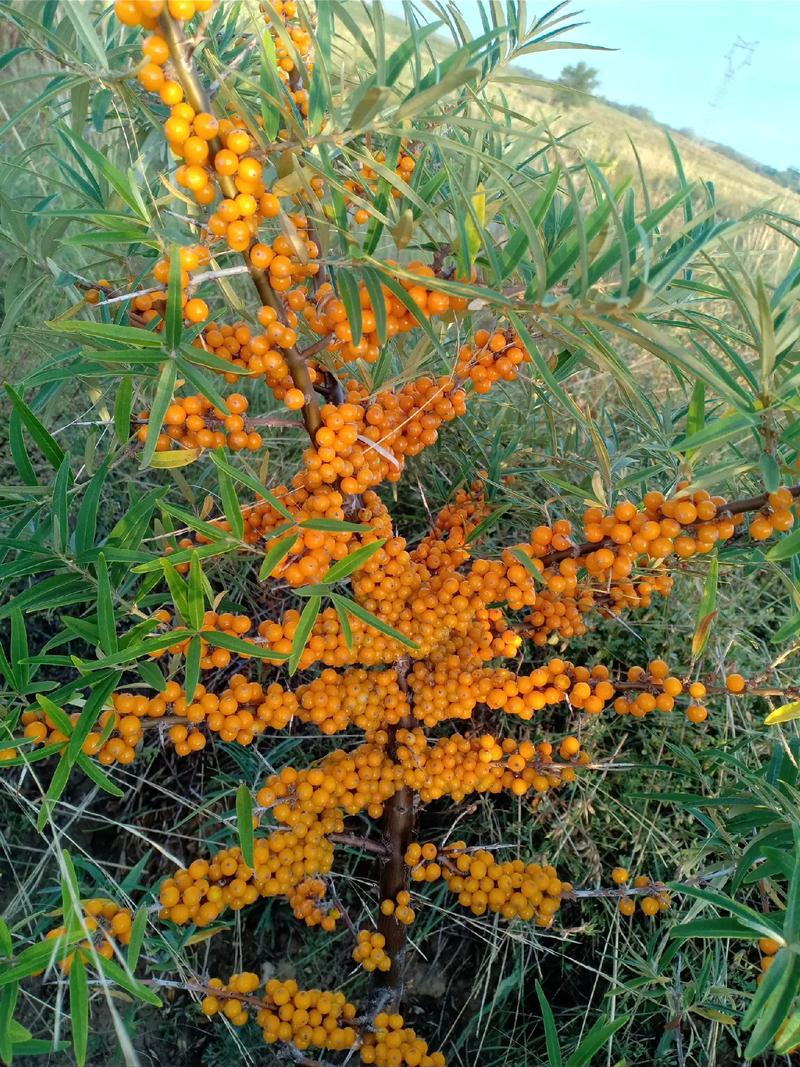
x: 398, y: 827
x: 197, y: 97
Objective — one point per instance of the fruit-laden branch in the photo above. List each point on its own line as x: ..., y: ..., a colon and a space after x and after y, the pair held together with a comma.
x: 197, y: 98
x: 734, y: 507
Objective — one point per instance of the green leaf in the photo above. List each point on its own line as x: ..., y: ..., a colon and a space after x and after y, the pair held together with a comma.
x: 92, y: 770
x: 343, y: 568
x: 79, y: 1008
x: 192, y: 668
x: 276, y: 554
x: 749, y: 916
x: 173, y: 320
x: 244, y: 823
x: 347, y: 286
x: 47, y: 445
x: 236, y: 644
x: 114, y: 973
x: 706, y: 609
x: 219, y: 461
x: 61, y: 506
x: 195, y: 602
x: 177, y: 587
x: 771, y: 1003
x: 550, y: 1033
x: 35, y: 958
x: 595, y: 1039
x: 717, y: 431
x: 305, y: 624
x: 126, y: 337
x: 101, y: 691
x: 122, y: 409
x: 334, y: 526
x: 19, y: 451
x: 542, y: 367
x: 230, y: 501
x: 696, y: 413
x: 786, y: 547
x: 715, y: 928
x: 791, y: 919
x: 161, y: 401
x: 770, y: 471
x: 86, y: 522
x: 138, y: 927
x: 106, y: 620
x: 8, y: 1003
x: 361, y: 613
x: 124, y: 186
x: 347, y: 629
x: 526, y: 561
x: 87, y: 34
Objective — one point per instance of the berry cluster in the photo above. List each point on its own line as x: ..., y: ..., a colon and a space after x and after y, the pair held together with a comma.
x: 304, y: 1018
x: 145, y: 13
x: 653, y: 897
x: 400, y: 908
x: 194, y: 422
x: 513, y: 889
x: 370, y: 951
x: 107, y: 925
x: 769, y: 949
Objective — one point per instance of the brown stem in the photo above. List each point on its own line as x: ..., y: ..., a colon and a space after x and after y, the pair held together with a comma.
x: 735, y: 507
x: 398, y: 827
x: 363, y: 843
x: 196, y: 96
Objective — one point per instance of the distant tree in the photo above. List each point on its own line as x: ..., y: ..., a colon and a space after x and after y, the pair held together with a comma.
x: 576, y: 82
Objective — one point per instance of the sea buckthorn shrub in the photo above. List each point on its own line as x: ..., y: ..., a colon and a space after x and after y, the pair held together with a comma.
x: 326, y: 640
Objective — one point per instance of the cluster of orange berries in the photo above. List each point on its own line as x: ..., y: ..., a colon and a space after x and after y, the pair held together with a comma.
x: 287, y: 261
x: 310, y: 804
x: 444, y: 546
x: 369, y: 177
x: 107, y: 925
x: 316, y: 1018
x: 492, y: 357
x: 457, y: 766
x: 188, y: 422
x: 115, y: 741
x: 400, y: 908
x: 654, y: 900
x: 769, y: 948
x: 224, y: 622
x: 658, y: 692
x: 243, y: 710
x: 513, y: 889
x: 370, y: 951
x: 303, y: 1018
x: 149, y: 305
x: 286, y: 11
x: 146, y: 13
x: 390, y: 1043
x: 284, y: 862
x: 365, y: 441
x: 776, y: 518
x: 327, y: 315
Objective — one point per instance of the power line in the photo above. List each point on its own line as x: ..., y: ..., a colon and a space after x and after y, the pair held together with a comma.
x: 738, y: 56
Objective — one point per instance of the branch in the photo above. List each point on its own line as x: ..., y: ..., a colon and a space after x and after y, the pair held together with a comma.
x: 735, y: 507
x: 398, y: 827
x: 196, y: 96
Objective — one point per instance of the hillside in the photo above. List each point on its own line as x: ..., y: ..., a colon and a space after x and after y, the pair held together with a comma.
x: 604, y: 133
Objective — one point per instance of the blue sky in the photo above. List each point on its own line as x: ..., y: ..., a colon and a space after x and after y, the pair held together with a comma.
x: 671, y: 58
